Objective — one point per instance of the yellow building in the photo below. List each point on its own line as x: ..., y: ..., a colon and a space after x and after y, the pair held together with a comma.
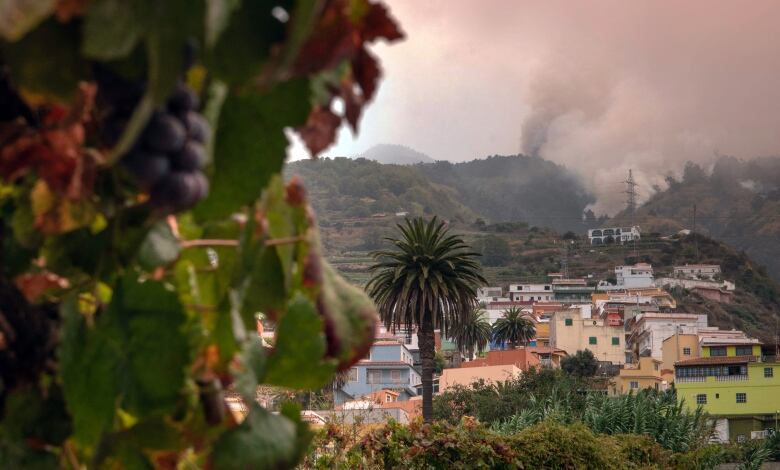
x: 679, y: 347
x: 635, y: 377
x: 542, y: 334
x: 572, y: 332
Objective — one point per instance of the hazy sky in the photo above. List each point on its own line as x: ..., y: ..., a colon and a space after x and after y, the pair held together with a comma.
x: 600, y: 86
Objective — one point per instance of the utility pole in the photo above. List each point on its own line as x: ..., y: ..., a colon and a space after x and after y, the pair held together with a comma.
x: 631, y: 204
x: 695, y: 238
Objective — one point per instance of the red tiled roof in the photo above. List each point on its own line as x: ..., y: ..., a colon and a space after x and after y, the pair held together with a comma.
x: 706, y: 361
x: 383, y: 363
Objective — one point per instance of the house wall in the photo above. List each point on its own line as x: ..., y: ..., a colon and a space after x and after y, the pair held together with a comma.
x: 731, y: 350
x: 466, y: 376
x: 647, y: 374
x: 762, y: 392
x: 575, y: 337
x: 673, y: 347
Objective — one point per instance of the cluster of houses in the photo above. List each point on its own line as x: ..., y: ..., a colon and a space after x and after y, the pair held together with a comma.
x: 633, y: 329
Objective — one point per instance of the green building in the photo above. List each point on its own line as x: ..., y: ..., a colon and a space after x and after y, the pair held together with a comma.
x: 734, y: 383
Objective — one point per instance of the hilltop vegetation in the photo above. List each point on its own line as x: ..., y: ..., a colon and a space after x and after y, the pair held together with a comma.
x: 737, y: 202
x: 498, y: 188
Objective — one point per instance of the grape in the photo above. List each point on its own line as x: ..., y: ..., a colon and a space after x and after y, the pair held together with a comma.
x: 191, y: 157
x: 203, y: 185
x: 183, y: 100
x: 176, y: 191
x: 165, y: 133
x: 147, y: 168
x: 198, y: 128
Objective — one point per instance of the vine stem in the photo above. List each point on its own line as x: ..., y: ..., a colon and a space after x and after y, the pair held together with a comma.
x: 229, y: 242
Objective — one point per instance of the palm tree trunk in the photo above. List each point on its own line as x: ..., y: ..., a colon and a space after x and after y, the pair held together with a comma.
x: 427, y: 351
x: 471, y: 353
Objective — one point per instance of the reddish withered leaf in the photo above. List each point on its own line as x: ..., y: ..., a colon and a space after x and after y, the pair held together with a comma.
x: 377, y: 24
x: 366, y: 71
x: 320, y: 129
x: 34, y: 285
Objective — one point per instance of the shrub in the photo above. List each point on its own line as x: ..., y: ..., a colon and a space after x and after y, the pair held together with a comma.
x: 552, y: 445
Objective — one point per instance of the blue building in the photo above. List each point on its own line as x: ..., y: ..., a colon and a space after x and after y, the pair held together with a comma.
x: 389, y: 365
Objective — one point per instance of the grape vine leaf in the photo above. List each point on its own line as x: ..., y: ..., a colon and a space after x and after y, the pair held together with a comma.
x: 17, y: 17
x: 297, y: 360
x: 262, y: 440
x: 46, y: 61
x: 112, y: 28
x: 243, y: 46
x: 160, y: 247
x: 135, y: 357
x: 250, y: 145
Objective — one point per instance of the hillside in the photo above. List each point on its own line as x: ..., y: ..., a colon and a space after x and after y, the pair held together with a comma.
x: 498, y: 188
x: 514, y: 252
x: 395, y: 154
x: 736, y: 202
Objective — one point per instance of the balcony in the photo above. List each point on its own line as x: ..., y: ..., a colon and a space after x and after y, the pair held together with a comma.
x: 731, y: 378
x: 690, y: 379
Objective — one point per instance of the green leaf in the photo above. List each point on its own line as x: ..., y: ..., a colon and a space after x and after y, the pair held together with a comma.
x: 134, y: 357
x: 263, y: 440
x: 218, y: 14
x: 112, y: 28
x: 47, y: 60
x: 266, y: 289
x: 160, y: 247
x: 17, y: 17
x: 251, y: 146
x: 297, y: 360
x: 241, y: 49
x: 253, y: 362
x: 88, y: 365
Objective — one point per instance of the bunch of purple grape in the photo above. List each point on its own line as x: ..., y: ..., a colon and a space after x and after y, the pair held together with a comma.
x: 170, y: 154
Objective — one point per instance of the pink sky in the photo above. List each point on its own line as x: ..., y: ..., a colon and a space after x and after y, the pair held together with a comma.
x: 600, y: 86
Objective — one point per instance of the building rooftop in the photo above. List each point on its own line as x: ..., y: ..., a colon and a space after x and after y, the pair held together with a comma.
x: 707, y: 361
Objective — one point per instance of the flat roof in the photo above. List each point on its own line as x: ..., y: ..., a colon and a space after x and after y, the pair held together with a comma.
x: 708, y: 361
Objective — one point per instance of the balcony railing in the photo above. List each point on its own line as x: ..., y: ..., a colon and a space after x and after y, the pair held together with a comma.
x: 730, y: 378
x: 690, y: 379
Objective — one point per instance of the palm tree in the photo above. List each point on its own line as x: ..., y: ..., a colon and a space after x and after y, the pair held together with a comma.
x: 473, y: 332
x: 512, y: 328
x: 428, y: 279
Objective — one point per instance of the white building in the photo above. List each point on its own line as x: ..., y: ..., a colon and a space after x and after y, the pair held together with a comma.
x: 697, y: 271
x: 490, y: 294
x: 529, y: 292
x: 646, y: 332
x: 610, y: 235
x: 637, y: 276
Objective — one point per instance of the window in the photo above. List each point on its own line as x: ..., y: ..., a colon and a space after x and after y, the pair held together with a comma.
x: 592, y: 340
x: 744, y: 350
x: 615, y: 341
x: 741, y: 397
x: 353, y: 374
x: 546, y: 287
x: 769, y: 372
x: 634, y: 385
x: 655, y: 365
x: 686, y: 351
x: 567, y: 322
x: 395, y: 376
x: 701, y: 399
x: 374, y: 376
x: 388, y: 398
x: 719, y: 351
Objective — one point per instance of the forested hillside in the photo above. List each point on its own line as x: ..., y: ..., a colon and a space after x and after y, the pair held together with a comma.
x: 736, y: 202
x: 516, y: 188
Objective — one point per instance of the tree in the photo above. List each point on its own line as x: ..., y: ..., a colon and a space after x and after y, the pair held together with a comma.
x: 495, y: 250
x: 581, y: 364
x: 473, y: 332
x: 145, y: 222
x: 512, y: 328
x: 427, y: 279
